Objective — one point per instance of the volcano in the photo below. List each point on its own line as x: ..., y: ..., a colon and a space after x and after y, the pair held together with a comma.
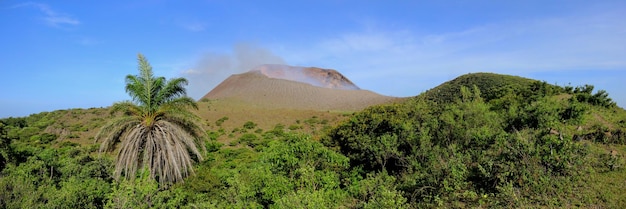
x: 282, y: 86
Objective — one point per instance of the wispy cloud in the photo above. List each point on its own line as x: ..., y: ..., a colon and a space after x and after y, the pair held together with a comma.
x: 567, y: 43
x: 51, y: 17
x: 359, y: 42
x: 519, y: 47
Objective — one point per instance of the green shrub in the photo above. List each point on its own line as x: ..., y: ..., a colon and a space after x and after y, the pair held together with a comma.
x: 213, y: 146
x: 249, y: 125
x: 214, y: 135
x: 44, y: 138
x: 220, y: 121
x: 249, y: 139
x: 27, y: 132
x: 294, y: 127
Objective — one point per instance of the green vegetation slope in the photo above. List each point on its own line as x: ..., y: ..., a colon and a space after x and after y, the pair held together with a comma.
x: 481, y: 140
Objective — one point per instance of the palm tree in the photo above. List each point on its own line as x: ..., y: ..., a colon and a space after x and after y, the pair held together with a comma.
x: 156, y: 130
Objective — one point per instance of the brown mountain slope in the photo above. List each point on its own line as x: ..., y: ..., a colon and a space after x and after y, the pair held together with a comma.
x: 257, y: 89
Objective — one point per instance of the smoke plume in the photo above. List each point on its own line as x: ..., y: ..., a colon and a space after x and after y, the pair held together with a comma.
x: 213, y: 68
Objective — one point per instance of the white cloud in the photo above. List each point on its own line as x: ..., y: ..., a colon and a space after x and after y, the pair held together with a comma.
x: 52, y: 17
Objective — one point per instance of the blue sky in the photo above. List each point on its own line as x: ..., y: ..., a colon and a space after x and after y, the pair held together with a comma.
x: 75, y: 54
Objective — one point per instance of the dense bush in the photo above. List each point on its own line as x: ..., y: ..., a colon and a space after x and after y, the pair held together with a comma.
x: 56, y: 178
x: 467, y: 153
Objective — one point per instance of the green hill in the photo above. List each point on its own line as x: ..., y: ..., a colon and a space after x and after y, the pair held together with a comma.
x: 489, y: 84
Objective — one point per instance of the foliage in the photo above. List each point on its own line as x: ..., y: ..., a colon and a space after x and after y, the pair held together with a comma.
x: 56, y: 178
x: 143, y: 192
x: 470, y: 153
x: 377, y: 190
x: 5, y: 146
x: 584, y: 94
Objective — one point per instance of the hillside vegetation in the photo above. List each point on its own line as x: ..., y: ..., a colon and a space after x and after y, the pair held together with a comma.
x: 481, y: 140
x: 524, y: 144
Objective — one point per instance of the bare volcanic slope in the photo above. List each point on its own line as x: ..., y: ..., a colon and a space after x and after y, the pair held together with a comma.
x: 315, y: 76
x: 281, y: 86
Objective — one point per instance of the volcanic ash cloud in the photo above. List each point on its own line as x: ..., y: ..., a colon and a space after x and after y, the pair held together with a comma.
x: 213, y: 68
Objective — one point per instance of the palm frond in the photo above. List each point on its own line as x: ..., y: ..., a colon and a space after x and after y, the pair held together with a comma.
x: 110, y: 133
x: 135, y: 88
x: 145, y: 70
x: 189, y: 126
x: 157, y: 86
x: 126, y: 107
x: 128, y: 161
x: 173, y: 89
